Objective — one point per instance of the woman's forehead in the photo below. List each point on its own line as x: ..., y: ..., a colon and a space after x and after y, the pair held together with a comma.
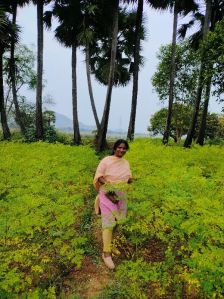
x: 122, y: 145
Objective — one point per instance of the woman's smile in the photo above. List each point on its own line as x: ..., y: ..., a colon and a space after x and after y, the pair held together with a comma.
x: 120, y: 150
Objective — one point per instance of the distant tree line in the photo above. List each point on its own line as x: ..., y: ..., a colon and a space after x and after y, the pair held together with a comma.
x: 110, y: 33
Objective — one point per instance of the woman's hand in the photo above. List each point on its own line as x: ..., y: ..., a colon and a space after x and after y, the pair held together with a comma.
x: 101, y: 180
x: 112, y: 197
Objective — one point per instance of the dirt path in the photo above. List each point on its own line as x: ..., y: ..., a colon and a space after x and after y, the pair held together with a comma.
x: 91, y: 279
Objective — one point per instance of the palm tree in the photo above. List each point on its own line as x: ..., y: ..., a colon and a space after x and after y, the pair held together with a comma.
x: 69, y: 15
x: 131, y: 127
x: 87, y: 37
x: 7, y: 33
x: 88, y: 74
x: 101, y: 138
x: 192, y: 127
x: 13, y: 6
x: 100, y: 47
x: 179, y: 7
x: 101, y: 53
x: 40, y: 46
x: 157, y: 5
x: 217, y: 14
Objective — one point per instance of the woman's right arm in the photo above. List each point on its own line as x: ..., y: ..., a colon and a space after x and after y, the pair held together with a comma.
x: 99, y: 175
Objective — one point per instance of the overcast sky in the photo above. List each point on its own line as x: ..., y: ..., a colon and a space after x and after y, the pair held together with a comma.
x: 57, y: 72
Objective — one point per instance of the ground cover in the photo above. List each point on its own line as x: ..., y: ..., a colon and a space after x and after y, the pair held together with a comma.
x: 173, y: 239
x: 171, y: 244
x: 44, y: 194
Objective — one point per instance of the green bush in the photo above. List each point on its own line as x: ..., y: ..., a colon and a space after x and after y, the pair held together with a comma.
x: 175, y: 219
x: 43, y: 188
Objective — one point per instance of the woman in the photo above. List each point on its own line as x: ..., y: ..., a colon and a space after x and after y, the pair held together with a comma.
x: 112, y: 169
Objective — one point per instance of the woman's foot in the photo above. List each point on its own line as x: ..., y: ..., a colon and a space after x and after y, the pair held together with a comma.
x: 108, y: 260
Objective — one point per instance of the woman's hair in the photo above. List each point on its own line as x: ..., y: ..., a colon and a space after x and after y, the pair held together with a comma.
x: 117, y: 143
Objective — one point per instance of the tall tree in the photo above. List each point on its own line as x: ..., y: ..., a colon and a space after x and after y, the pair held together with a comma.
x: 70, y: 16
x: 100, y: 49
x: 179, y: 7
x: 164, y: 4
x: 172, y: 76
x: 88, y: 74
x: 7, y: 33
x: 13, y: 5
x: 101, y: 138
x: 131, y: 127
x: 40, y: 47
x: 217, y: 13
x: 88, y: 35
x: 192, y: 127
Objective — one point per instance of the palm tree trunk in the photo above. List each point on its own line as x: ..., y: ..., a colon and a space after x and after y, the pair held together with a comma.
x: 5, y: 128
x: 131, y: 127
x: 77, y: 137
x: 19, y: 118
x: 201, y: 134
x: 172, y: 77
x: 191, y: 130
x: 90, y: 89
x: 101, y: 138
x: 39, y: 116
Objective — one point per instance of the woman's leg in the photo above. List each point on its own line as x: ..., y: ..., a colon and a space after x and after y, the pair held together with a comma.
x: 108, y: 222
x: 107, y: 239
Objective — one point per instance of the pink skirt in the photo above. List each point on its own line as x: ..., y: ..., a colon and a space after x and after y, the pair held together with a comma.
x: 112, y: 213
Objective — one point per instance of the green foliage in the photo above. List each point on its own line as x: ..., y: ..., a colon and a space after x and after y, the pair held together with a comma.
x: 175, y: 223
x: 100, y: 47
x: 171, y: 242
x: 187, y: 68
x: 43, y: 189
x: 118, y: 190
x: 50, y: 134
x: 25, y: 63
x: 213, y: 47
x: 181, y: 118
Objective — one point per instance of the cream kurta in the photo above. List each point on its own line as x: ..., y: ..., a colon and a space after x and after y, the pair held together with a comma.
x: 113, y: 169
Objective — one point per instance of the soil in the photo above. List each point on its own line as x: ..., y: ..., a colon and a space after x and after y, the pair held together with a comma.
x: 93, y: 276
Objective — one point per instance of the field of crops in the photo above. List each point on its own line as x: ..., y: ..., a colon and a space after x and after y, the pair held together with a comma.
x: 172, y: 243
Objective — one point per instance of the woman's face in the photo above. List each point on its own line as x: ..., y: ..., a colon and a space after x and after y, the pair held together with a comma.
x: 120, y: 150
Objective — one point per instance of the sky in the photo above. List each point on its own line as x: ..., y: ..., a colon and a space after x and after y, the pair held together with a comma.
x: 57, y: 73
